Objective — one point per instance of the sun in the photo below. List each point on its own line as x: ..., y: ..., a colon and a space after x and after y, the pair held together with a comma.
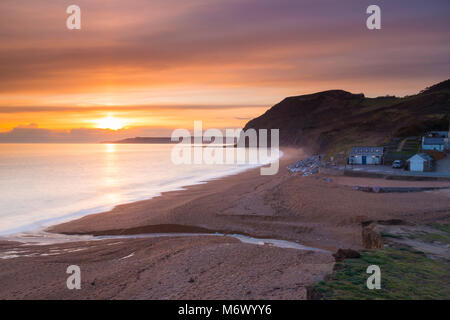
x: 111, y: 123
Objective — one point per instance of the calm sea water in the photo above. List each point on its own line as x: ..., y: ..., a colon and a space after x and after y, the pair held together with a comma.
x: 43, y: 184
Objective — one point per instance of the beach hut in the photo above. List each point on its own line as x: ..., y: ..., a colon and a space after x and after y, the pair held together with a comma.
x: 366, y: 155
x: 420, y: 162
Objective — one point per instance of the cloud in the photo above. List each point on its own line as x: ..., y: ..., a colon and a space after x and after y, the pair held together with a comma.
x: 59, y: 109
x: 167, y: 63
x: 235, y: 43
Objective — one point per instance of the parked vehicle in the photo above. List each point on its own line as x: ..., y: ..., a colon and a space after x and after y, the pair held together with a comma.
x: 398, y: 164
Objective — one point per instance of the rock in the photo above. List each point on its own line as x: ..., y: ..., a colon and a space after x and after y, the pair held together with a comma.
x: 313, y: 294
x: 343, y: 254
x: 376, y: 189
x: 191, y: 280
x: 371, y: 236
x: 307, y: 166
x: 367, y: 189
x: 392, y: 222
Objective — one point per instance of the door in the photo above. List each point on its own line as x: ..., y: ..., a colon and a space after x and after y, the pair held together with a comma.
x: 416, y: 166
x: 364, y: 159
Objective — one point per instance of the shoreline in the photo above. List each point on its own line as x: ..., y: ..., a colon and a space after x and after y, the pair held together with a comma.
x: 45, y: 224
x: 166, y: 201
x: 247, y: 203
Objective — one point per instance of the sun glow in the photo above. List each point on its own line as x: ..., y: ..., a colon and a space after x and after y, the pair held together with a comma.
x: 111, y: 123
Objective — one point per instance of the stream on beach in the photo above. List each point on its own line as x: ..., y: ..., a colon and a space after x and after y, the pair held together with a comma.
x: 45, y: 238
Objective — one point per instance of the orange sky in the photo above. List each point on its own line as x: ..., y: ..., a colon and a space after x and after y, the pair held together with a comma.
x: 156, y: 65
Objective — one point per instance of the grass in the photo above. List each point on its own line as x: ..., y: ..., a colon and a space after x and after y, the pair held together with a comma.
x: 411, y: 145
x: 390, y: 235
x: 405, y: 274
x: 401, y: 155
x: 443, y: 236
x: 431, y: 237
x: 441, y: 227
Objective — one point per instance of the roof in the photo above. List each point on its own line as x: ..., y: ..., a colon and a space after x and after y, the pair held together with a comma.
x: 421, y: 156
x: 439, y: 134
x: 433, y: 141
x: 367, y: 151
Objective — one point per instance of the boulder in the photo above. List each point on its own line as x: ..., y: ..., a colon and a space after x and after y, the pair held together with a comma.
x: 313, y: 294
x: 343, y: 254
x: 376, y: 189
x: 371, y: 236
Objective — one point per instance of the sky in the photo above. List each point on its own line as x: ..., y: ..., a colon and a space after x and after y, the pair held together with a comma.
x: 146, y: 67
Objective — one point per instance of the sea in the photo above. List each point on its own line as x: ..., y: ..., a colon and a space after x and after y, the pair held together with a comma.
x: 45, y: 184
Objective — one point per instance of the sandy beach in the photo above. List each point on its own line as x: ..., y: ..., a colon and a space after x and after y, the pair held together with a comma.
x: 319, y: 211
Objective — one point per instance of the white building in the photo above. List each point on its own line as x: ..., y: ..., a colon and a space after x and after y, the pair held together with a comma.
x: 437, y: 134
x: 420, y: 162
x: 366, y: 155
x: 438, y: 144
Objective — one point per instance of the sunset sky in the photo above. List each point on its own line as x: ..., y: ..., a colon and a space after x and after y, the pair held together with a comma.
x: 145, y: 67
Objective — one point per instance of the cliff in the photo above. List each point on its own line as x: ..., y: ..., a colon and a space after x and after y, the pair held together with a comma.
x: 332, y: 121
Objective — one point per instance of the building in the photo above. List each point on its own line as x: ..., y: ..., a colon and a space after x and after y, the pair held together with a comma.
x: 438, y: 134
x: 420, y: 162
x: 437, y: 144
x: 366, y: 155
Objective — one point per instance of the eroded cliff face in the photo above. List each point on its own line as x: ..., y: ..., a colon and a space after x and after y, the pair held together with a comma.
x: 333, y: 121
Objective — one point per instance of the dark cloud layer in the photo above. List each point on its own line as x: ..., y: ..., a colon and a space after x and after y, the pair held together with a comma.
x: 245, y: 42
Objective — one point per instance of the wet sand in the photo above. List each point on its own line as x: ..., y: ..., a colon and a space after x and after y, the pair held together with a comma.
x: 318, y: 211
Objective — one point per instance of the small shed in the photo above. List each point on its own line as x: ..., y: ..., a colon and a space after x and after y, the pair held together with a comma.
x: 420, y: 162
x: 366, y: 155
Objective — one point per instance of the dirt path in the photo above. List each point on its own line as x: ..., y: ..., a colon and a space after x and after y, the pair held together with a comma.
x: 400, y: 146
